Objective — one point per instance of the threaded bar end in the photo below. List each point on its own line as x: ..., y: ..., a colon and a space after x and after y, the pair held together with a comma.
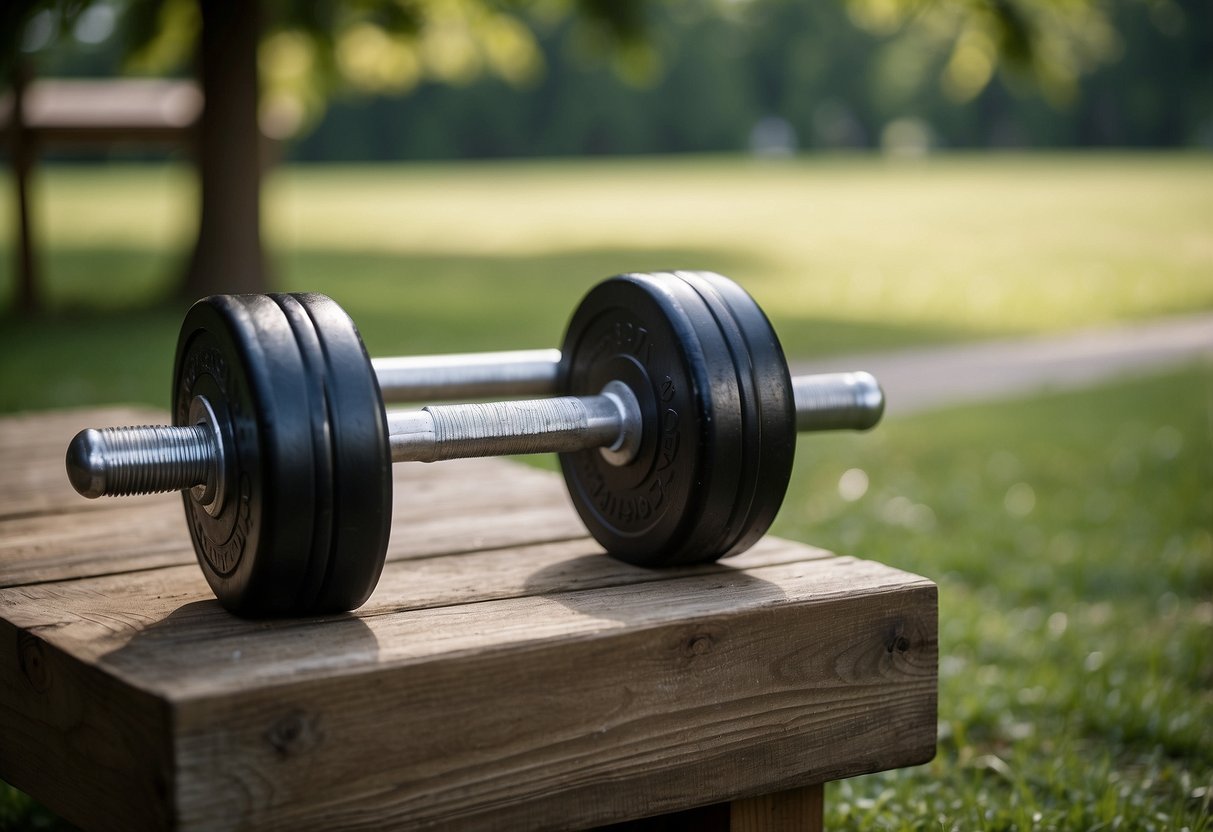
x: 837, y: 401
x: 115, y: 462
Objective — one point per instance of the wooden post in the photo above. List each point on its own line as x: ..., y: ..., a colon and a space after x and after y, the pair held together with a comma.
x: 794, y: 810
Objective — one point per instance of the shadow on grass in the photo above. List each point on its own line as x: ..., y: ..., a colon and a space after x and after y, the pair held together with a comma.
x: 66, y: 359
x: 437, y: 302
x: 425, y: 303
x: 84, y: 280
x: 110, y: 326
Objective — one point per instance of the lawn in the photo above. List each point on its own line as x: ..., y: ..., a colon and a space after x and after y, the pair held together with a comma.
x: 846, y: 253
x: 1071, y: 534
x: 1072, y: 539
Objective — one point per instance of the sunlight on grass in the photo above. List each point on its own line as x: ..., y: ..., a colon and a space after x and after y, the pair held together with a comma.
x: 965, y: 244
x: 1008, y: 244
x: 1076, y: 624
x: 847, y: 254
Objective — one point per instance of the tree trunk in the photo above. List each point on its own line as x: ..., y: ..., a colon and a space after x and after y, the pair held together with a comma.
x: 228, y: 256
x: 22, y: 152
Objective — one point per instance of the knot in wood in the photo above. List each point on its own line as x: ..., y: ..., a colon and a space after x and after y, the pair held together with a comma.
x: 293, y: 733
x: 31, y: 657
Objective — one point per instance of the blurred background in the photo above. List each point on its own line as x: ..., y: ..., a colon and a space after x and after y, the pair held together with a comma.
x: 893, y: 180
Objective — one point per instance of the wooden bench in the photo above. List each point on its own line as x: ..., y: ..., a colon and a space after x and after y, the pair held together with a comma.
x: 91, y: 113
x: 505, y: 674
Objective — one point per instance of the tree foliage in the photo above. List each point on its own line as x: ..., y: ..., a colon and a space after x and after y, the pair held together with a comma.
x: 809, y: 68
x: 457, y: 78
x: 314, y: 48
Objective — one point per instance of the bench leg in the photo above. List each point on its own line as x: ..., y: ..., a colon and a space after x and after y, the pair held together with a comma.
x: 794, y: 810
x: 798, y: 810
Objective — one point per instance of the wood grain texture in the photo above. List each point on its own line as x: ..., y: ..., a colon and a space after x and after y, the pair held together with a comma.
x: 32, y: 451
x: 544, y: 713
x: 50, y: 533
x: 794, y: 810
x: 505, y: 673
x: 96, y: 750
x: 149, y: 532
x: 164, y: 631
x: 594, y: 705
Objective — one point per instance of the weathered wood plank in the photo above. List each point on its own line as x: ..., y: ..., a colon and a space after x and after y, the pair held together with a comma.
x: 595, y: 705
x: 97, y: 750
x: 449, y: 515
x: 144, y: 533
x: 617, y: 711
x: 792, y: 810
x: 144, y: 619
x: 32, y: 449
x: 45, y: 433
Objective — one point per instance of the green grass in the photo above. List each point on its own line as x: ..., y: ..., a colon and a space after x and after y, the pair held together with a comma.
x: 18, y: 811
x: 1071, y: 535
x: 1072, y: 539
x: 846, y: 253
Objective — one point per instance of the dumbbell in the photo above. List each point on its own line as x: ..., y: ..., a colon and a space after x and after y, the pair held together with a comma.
x: 670, y: 404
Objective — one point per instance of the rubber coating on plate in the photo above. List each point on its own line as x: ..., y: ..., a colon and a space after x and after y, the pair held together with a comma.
x: 768, y: 407
x: 314, y: 377
x: 361, y: 459
x: 720, y: 430
x: 241, y: 354
x: 672, y: 503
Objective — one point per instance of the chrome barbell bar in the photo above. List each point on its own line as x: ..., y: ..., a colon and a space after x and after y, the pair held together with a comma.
x: 148, y: 459
x: 826, y: 401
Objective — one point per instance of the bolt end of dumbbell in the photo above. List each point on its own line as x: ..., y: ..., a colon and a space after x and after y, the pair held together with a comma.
x: 117, y: 462
x: 869, y: 400
x: 838, y: 401
x: 86, y: 464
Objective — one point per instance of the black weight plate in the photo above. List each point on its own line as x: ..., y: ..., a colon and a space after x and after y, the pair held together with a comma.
x: 673, y: 503
x: 321, y: 516
x: 768, y: 408
x: 240, y: 353
x: 361, y: 462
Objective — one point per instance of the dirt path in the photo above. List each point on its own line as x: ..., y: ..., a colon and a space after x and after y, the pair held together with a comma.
x: 924, y: 378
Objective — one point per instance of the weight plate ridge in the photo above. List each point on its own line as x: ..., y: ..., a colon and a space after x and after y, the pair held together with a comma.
x: 768, y: 406
x: 362, y: 482
x: 315, y: 381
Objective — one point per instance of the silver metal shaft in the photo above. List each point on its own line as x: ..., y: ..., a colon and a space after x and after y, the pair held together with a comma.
x: 832, y: 401
x: 485, y: 375
x: 142, y: 460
